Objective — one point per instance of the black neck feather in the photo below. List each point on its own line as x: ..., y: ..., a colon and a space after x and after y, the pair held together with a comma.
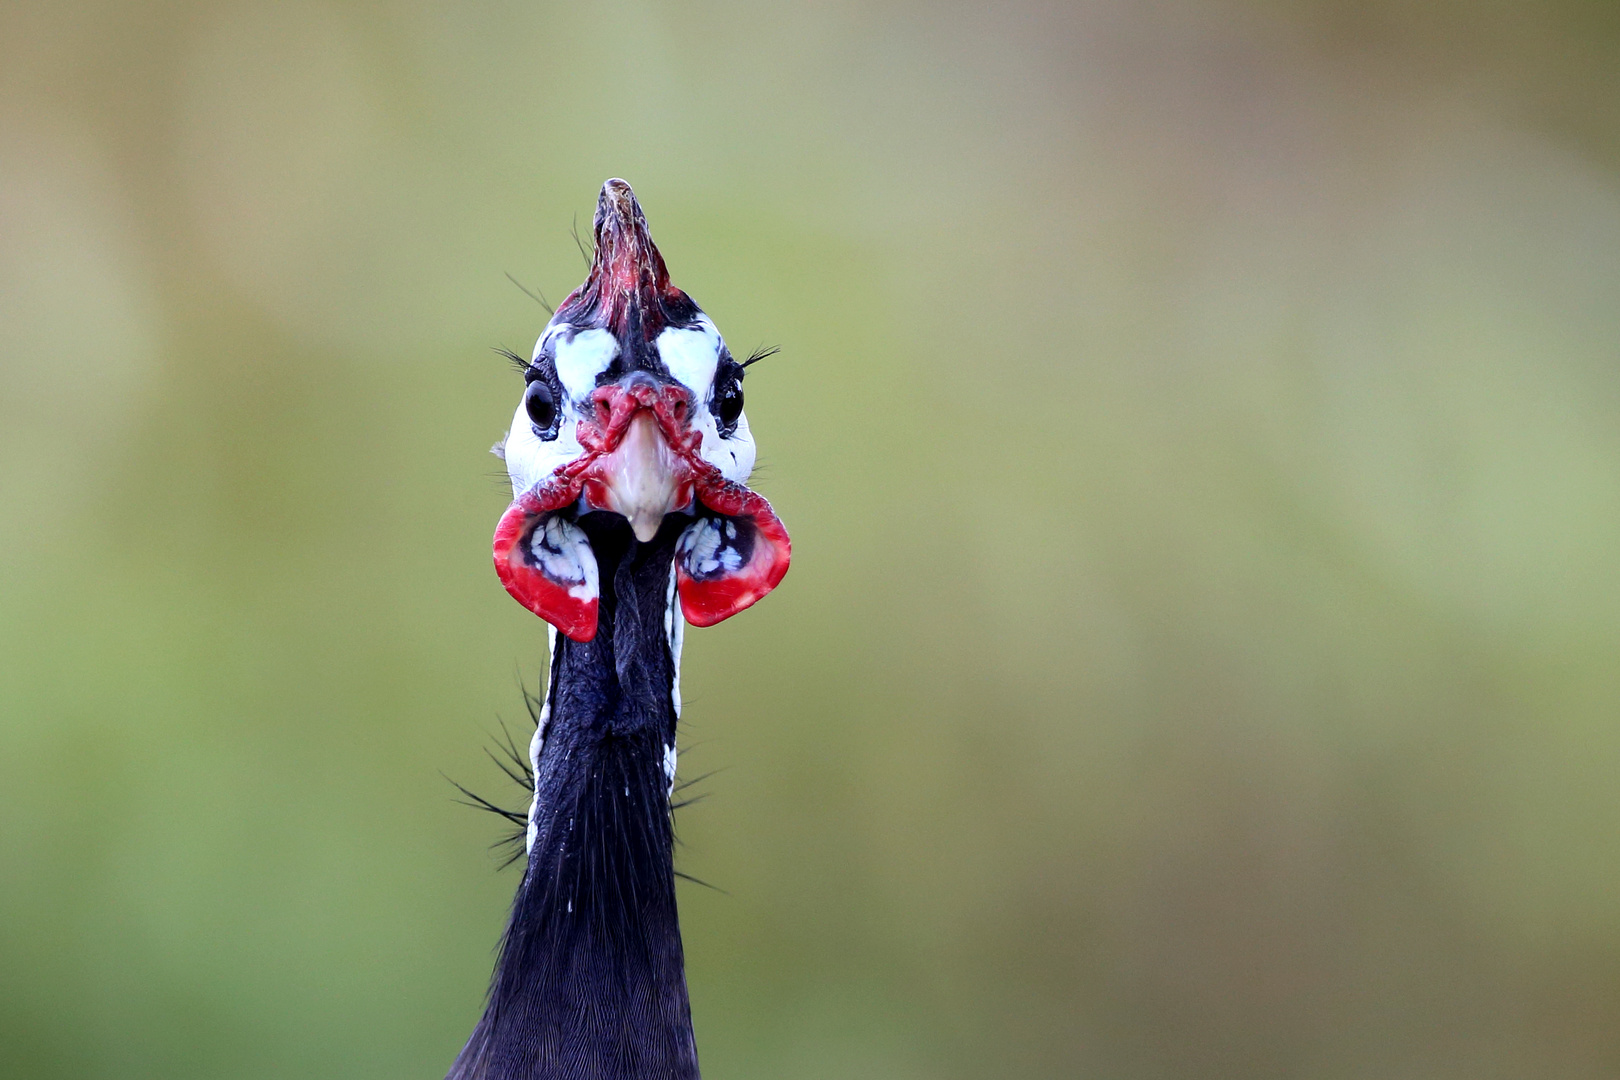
x: 590, y: 984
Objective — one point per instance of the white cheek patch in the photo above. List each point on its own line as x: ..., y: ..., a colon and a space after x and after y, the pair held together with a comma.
x: 691, y: 355
x: 530, y: 459
x: 581, y: 358
x: 734, y: 457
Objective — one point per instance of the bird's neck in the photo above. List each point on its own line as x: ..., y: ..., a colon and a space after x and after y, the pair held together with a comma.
x: 590, y: 982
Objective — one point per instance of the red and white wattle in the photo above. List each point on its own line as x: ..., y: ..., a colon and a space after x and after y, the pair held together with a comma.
x: 567, y: 601
x: 722, y: 565
x: 707, y: 599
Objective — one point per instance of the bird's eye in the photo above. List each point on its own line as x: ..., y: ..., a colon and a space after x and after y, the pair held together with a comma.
x: 541, y: 403
x: 729, y: 405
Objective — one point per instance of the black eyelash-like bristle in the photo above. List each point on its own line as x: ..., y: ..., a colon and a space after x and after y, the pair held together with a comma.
x: 515, y: 839
x: 513, y: 761
x: 518, y: 362
x: 761, y: 353
x: 533, y: 294
x: 700, y: 881
x: 587, y: 251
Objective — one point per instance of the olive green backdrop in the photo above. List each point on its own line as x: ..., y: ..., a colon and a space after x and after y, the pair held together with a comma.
x: 1199, y: 427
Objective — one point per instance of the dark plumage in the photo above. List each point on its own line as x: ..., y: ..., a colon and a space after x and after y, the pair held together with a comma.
x: 629, y: 457
x: 590, y: 982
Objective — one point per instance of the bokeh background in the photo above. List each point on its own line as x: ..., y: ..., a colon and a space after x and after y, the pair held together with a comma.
x: 1199, y: 425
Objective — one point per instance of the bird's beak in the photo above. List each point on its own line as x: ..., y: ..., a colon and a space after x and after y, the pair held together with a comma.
x: 644, y: 443
x: 638, y: 479
x: 641, y: 461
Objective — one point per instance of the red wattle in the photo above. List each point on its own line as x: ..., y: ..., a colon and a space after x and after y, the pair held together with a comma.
x: 709, y: 598
x: 525, y: 579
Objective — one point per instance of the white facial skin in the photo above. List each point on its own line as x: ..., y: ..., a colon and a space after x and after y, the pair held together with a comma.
x: 580, y: 359
x: 691, y: 356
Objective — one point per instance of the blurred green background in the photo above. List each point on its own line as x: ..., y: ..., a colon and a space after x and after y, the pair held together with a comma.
x: 1199, y: 426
